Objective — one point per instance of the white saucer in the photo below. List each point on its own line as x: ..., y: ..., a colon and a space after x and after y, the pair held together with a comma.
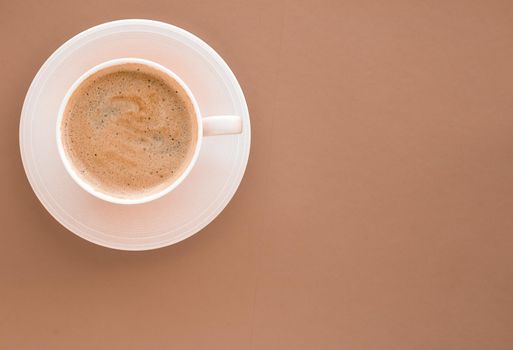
x: 187, y: 209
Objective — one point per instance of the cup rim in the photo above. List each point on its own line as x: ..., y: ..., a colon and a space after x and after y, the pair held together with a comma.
x: 87, y: 186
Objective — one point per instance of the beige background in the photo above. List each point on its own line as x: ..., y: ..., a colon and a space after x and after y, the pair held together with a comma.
x: 377, y: 207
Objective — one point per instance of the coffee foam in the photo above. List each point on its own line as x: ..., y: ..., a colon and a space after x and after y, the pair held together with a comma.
x: 129, y: 130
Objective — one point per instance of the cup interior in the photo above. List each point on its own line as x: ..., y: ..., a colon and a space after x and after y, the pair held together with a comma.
x: 156, y: 191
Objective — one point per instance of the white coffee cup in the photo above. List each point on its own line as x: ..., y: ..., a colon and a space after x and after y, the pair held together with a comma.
x: 207, y: 126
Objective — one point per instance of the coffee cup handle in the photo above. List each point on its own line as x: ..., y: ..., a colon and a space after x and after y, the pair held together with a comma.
x: 222, y: 125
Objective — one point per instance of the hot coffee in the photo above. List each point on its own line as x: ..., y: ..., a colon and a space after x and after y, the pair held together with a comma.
x: 129, y: 130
